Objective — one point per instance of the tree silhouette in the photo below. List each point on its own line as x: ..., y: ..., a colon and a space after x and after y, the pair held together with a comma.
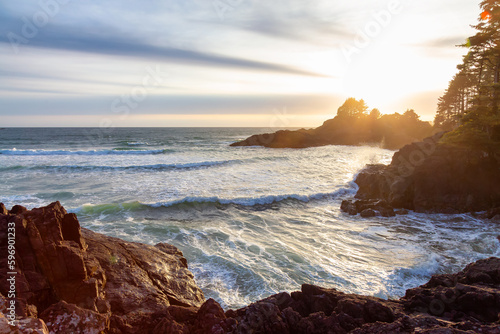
x: 352, y: 108
x: 471, y: 103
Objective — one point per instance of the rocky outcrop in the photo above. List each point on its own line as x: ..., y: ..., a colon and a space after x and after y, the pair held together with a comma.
x: 431, y: 177
x: 389, y: 131
x: 369, y: 208
x: 467, y: 302
x: 72, y: 280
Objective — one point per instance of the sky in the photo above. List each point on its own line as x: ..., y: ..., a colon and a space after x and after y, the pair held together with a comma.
x: 280, y: 63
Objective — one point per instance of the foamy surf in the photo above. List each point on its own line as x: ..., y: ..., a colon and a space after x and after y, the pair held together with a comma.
x: 117, y: 151
x: 250, y: 221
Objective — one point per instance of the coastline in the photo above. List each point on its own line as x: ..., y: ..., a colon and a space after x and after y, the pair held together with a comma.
x: 430, y: 177
x: 87, y: 282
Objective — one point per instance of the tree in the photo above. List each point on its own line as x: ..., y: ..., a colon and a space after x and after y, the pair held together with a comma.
x: 411, y: 115
x: 471, y: 103
x: 375, y: 113
x: 352, y: 108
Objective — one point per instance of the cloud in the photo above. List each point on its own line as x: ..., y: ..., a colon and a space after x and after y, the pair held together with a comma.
x: 444, y: 42
x: 170, y: 104
x: 107, y: 40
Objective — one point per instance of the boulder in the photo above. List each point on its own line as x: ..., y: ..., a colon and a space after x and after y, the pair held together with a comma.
x: 368, y: 208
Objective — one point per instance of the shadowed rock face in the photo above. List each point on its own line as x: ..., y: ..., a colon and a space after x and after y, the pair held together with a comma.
x: 118, y: 284
x: 432, y: 177
x: 72, y: 280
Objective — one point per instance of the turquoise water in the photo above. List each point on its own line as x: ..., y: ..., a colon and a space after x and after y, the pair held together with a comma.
x: 251, y: 221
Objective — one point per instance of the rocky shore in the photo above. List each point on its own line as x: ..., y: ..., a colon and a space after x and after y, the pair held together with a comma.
x: 431, y: 177
x: 71, y: 280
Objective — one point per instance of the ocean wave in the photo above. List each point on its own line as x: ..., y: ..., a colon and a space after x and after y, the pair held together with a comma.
x: 258, y: 203
x: 156, y: 167
x: 116, y: 151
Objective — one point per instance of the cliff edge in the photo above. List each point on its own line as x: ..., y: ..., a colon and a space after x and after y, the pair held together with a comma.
x: 432, y: 177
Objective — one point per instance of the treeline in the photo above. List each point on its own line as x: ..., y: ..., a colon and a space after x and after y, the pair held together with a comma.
x: 470, y: 105
x: 355, y: 125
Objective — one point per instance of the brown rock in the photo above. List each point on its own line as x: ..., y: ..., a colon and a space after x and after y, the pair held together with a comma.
x: 210, y: 318
x: 3, y: 209
x: 432, y: 177
x: 17, y: 209
x: 367, y: 213
x: 368, y: 208
x: 68, y: 318
x: 63, y: 268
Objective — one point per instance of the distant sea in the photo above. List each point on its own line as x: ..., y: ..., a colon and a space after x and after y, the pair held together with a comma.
x: 251, y: 221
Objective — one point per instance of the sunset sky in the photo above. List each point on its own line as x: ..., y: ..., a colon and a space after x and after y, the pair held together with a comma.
x: 223, y: 62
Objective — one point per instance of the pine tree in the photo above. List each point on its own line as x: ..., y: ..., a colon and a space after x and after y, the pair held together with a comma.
x: 471, y: 102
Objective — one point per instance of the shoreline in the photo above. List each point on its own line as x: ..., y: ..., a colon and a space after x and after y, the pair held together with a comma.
x: 116, y: 278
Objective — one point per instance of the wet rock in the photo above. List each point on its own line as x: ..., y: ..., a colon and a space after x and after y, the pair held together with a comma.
x: 64, y: 268
x: 368, y: 208
x: 80, y: 281
x: 367, y: 213
x: 431, y: 177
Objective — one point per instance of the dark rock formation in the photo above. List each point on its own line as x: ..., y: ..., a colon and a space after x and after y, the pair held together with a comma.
x: 63, y: 270
x: 432, y: 177
x: 389, y: 131
x: 71, y: 280
x: 368, y: 208
x: 467, y: 302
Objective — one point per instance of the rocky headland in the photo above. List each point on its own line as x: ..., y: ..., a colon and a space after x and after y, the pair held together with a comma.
x: 388, y: 131
x: 430, y: 177
x: 71, y: 280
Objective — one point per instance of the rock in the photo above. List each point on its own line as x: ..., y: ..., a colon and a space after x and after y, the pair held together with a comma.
x: 387, y: 132
x: 349, y: 207
x: 261, y: 317
x: 141, y: 280
x: 210, y: 318
x: 63, y: 270
x: 79, y: 281
x: 3, y: 209
x: 280, y: 139
x: 367, y: 213
x: 368, y: 208
x: 431, y: 177
x: 23, y: 326
x: 69, y: 318
x: 468, y: 295
x: 17, y: 209
x: 470, y: 300
x: 492, y: 213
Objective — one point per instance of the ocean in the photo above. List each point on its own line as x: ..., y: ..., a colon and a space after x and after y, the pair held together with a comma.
x: 251, y: 221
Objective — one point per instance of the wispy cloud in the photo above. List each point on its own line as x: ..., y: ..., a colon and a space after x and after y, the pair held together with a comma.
x: 101, y: 38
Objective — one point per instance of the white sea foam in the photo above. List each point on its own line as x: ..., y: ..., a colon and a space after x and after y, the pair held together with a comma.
x: 15, y: 151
